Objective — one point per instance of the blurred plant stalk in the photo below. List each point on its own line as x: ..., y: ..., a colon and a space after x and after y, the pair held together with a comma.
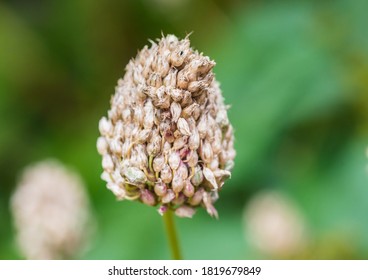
x: 172, y: 235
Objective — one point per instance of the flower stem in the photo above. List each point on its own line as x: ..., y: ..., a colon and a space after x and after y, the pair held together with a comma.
x: 171, y: 234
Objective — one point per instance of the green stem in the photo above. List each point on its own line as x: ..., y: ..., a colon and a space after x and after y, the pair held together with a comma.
x: 171, y: 234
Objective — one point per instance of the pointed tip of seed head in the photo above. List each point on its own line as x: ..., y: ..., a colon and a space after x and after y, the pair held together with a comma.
x: 189, y: 34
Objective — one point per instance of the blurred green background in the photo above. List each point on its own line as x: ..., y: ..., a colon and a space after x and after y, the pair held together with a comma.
x: 295, y: 73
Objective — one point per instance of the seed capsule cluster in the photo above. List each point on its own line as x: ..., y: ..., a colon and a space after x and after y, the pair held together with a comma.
x: 51, y: 212
x: 167, y: 139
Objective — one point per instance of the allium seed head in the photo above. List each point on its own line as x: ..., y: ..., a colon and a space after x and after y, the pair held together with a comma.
x: 51, y: 211
x: 274, y: 225
x: 167, y: 140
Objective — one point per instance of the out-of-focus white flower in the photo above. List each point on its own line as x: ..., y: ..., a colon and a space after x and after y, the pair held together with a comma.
x: 274, y: 225
x: 51, y: 212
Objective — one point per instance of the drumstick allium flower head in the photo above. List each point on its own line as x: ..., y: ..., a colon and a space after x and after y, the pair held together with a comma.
x: 167, y: 140
x: 51, y: 212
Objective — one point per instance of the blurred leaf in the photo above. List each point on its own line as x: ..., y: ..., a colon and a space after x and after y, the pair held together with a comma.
x: 284, y: 77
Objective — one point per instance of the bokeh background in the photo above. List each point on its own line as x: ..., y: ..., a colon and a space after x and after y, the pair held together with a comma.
x: 295, y: 73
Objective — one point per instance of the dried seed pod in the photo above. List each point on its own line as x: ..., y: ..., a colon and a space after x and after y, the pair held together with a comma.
x: 229, y: 165
x: 197, y: 197
x: 177, y: 134
x: 195, y: 86
x: 147, y: 197
x: 154, y: 146
x: 160, y: 188
x: 119, y: 129
x: 206, y: 152
x: 155, y: 80
x: 170, y: 79
x: 125, y: 150
x: 213, y: 165
x: 187, y: 99
x: 216, y: 144
x: 143, y: 135
x: 192, y: 158
x: 163, y: 66
x: 188, y: 111
x: 178, y: 56
x: 179, y: 199
x: 166, y: 174
x: 175, y: 110
x: 106, y: 176
x: 197, y: 178
x: 167, y: 148
x: 102, y: 145
x: 194, y: 139
x: 126, y: 115
x: 182, y: 80
x: 188, y: 189
x: 158, y: 163
x: 182, y: 171
x: 119, y: 192
x: 142, y: 159
x: 107, y: 163
x: 176, y: 94
x: 220, y: 173
x: 135, y: 176
x: 184, y: 152
x: 167, y: 130
x: 171, y: 42
x: 180, y: 142
x: 209, y: 206
x: 138, y: 115
x: 177, y: 183
x: 183, y: 127
x: 185, y: 211
x: 202, y: 126
x: 210, y: 177
x: 105, y: 127
x: 196, y: 113
x: 174, y: 160
x: 116, y: 146
x: 149, y: 116
x: 168, y: 197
